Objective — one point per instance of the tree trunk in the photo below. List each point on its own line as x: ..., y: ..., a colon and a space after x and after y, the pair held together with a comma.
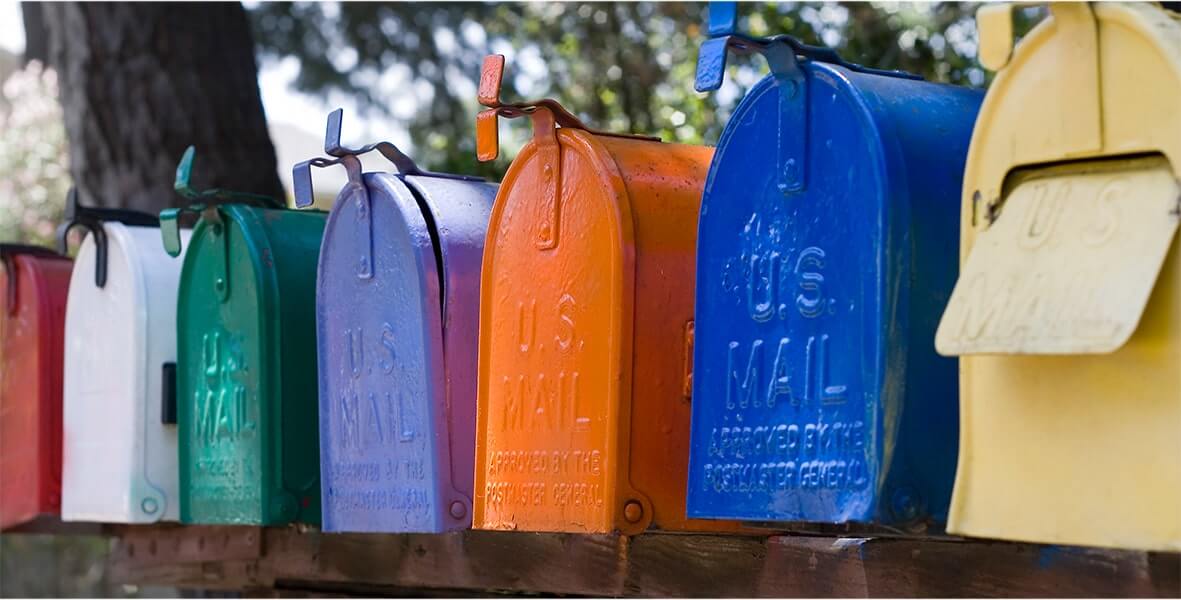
x: 141, y: 81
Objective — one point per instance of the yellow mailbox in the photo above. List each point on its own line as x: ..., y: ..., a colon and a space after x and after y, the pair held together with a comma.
x: 1067, y: 312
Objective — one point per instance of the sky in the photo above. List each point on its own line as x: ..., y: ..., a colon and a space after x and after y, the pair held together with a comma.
x: 296, y: 120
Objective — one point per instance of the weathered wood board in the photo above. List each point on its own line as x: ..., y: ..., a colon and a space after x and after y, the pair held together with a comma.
x: 295, y: 561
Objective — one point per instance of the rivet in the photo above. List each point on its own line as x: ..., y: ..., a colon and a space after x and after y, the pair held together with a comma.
x: 458, y: 510
x: 633, y: 511
x: 149, y: 505
x: 217, y: 229
x: 220, y: 284
x: 545, y: 229
x: 547, y: 172
x: 905, y: 503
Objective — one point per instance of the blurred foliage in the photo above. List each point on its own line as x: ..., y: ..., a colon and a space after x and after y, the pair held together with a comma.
x: 34, y: 167
x: 621, y: 66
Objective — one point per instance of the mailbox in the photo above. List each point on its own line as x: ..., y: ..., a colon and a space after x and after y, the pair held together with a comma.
x: 397, y: 310
x: 34, y: 304
x: 1067, y: 313
x: 246, y: 359
x: 825, y: 253
x: 586, y: 311
x: 119, y: 454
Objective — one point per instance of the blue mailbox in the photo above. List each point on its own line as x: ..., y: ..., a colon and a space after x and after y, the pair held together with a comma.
x: 827, y: 247
x: 397, y: 310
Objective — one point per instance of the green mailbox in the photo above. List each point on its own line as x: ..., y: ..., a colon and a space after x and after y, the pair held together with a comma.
x: 245, y: 378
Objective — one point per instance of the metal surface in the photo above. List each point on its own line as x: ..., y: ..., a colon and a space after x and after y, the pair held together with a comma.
x: 582, y: 425
x: 35, y: 284
x: 1091, y: 450
x: 246, y: 375
x: 397, y: 320
x: 1068, y: 265
x: 817, y: 394
x: 120, y: 461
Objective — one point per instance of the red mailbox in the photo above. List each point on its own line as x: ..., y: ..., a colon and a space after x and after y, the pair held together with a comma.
x: 33, y: 294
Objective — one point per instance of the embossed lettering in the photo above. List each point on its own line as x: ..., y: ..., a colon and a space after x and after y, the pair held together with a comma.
x: 742, y: 387
x: 810, y: 301
x: 387, y: 342
x: 356, y: 350
x: 565, y: 336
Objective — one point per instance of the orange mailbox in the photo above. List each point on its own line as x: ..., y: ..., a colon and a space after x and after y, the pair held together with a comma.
x: 586, y: 309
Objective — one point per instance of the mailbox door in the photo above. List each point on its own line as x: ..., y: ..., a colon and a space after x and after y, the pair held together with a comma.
x: 787, y: 322
x: 119, y: 459
x: 226, y: 363
x: 817, y: 396
x: 1073, y: 361
x: 32, y: 324
x: 555, y: 340
x: 382, y: 426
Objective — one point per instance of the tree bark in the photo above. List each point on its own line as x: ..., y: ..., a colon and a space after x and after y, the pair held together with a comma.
x: 141, y: 81
x: 36, y: 40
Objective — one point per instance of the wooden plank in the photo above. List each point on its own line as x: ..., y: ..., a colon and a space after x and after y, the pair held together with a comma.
x: 487, y: 560
x: 886, y: 567
x: 664, y: 565
x: 656, y: 564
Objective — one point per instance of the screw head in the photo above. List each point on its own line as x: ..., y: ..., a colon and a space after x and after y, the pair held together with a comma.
x: 905, y: 503
x: 458, y: 510
x: 633, y: 511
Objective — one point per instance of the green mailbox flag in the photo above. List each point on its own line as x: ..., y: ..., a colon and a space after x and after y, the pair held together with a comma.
x: 246, y: 359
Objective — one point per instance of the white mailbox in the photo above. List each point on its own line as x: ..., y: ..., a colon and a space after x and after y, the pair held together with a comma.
x: 119, y: 456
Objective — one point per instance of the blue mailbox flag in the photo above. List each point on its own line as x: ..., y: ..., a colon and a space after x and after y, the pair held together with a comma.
x: 827, y: 248
x: 397, y: 298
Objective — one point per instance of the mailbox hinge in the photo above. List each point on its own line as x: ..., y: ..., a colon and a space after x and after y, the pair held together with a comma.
x: 301, y: 175
x: 206, y: 204
x: 783, y: 54
x: 547, y: 115
x: 92, y: 219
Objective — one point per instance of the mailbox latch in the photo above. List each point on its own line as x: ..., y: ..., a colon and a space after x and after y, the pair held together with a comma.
x: 8, y: 254
x: 547, y: 115
x: 92, y: 219
x: 301, y: 175
x: 205, y: 202
x: 783, y: 54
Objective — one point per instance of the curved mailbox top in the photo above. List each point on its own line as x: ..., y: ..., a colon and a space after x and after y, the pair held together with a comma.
x: 33, y: 291
x: 1067, y: 314
x: 586, y: 303
x: 397, y: 309
x: 825, y: 250
x: 246, y: 376
x: 120, y: 455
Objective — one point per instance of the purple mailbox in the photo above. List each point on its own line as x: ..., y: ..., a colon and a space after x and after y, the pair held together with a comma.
x: 397, y: 311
